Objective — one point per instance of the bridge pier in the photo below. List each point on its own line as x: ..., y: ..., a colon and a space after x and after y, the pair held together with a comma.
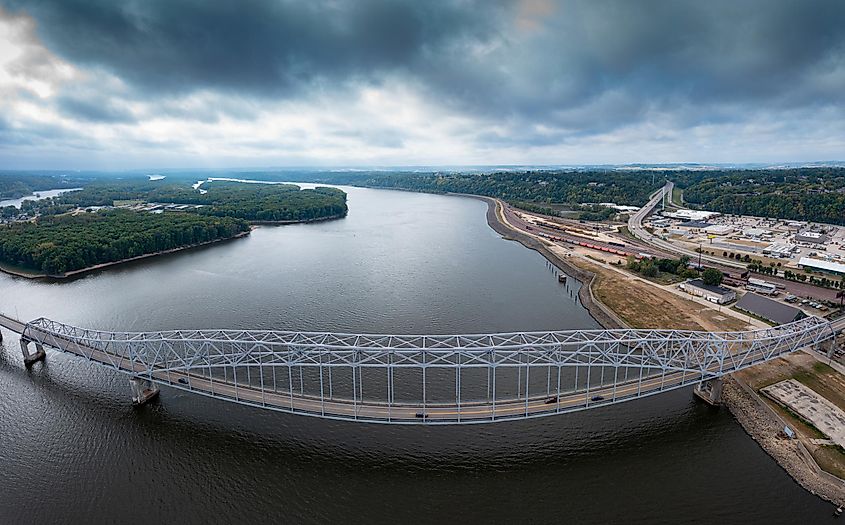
x: 31, y: 357
x: 827, y: 347
x: 709, y: 391
x: 143, y: 390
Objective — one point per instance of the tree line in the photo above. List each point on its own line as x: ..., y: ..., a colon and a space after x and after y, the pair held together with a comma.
x: 59, y: 244
x: 253, y: 202
x: 804, y: 194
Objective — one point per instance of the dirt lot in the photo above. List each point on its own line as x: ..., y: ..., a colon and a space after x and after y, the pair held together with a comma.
x: 645, y: 306
x: 817, y: 376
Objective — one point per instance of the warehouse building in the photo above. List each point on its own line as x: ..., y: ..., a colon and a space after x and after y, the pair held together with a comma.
x: 784, y: 251
x: 769, y: 309
x: 714, y: 294
x: 810, y: 237
x: 819, y: 265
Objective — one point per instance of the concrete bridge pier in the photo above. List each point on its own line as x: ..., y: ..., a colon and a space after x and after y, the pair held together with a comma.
x: 709, y: 391
x: 827, y: 347
x: 31, y: 357
x: 143, y: 390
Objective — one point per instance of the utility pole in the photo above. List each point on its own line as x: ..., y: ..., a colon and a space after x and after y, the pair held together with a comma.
x: 699, y: 255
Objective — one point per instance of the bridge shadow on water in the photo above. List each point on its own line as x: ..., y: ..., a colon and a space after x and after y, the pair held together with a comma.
x: 75, y: 386
x: 68, y: 425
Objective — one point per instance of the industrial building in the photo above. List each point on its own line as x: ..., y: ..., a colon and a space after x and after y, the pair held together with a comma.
x: 761, y: 286
x: 714, y: 294
x: 719, y: 229
x: 695, y: 225
x: 811, y: 237
x: 691, y: 215
x: 783, y: 251
x: 769, y: 309
x: 820, y: 265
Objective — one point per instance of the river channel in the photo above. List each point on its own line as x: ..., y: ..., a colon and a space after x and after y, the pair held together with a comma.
x: 74, y: 450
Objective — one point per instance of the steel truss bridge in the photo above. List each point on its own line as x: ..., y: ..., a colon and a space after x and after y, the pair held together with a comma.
x: 422, y: 379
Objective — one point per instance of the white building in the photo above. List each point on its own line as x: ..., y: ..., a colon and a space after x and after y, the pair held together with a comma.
x: 719, y: 229
x: 761, y: 286
x: 714, y: 294
x: 691, y: 215
x: 822, y: 266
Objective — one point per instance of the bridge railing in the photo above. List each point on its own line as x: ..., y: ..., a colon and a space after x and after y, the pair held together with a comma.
x: 518, y: 374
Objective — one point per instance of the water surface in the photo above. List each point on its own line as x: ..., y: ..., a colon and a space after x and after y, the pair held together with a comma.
x: 72, y: 449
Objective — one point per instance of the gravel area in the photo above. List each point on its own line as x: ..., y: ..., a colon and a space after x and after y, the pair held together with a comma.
x: 763, y: 426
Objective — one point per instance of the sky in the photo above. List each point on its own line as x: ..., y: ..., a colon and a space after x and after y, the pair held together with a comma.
x: 332, y: 83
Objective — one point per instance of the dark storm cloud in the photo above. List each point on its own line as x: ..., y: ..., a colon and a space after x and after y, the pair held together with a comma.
x: 582, y: 67
x: 91, y: 109
x: 261, y: 47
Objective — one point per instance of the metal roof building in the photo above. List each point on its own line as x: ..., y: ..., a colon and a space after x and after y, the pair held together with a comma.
x: 768, y: 309
x: 825, y: 266
x: 714, y: 294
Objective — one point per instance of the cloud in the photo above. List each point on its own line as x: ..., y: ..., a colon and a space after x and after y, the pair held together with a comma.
x: 431, y: 82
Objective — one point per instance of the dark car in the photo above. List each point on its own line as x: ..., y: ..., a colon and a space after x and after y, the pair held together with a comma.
x: 550, y: 400
x: 182, y: 380
x: 421, y: 415
x: 597, y: 398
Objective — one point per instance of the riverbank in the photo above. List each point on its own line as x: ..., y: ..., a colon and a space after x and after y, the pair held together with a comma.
x: 306, y: 221
x: 749, y: 410
x: 19, y: 272
x: 765, y: 426
x: 600, y: 312
x: 614, y: 297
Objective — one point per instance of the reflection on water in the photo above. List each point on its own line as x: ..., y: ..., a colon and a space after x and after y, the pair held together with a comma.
x: 72, y: 449
x: 37, y: 196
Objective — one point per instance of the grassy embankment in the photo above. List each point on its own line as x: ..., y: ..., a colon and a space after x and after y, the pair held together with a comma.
x: 642, y: 305
x: 817, y: 376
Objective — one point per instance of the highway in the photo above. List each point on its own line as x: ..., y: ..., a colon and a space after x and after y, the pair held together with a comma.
x: 199, y: 380
x: 635, y: 226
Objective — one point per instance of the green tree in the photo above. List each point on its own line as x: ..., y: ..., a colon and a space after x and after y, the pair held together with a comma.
x: 712, y: 277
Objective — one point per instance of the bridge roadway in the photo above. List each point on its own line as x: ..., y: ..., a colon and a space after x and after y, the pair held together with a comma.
x: 439, y: 413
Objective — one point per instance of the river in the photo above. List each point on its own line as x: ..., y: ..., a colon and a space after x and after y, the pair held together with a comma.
x: 73, y: 449
x: 37, y: 196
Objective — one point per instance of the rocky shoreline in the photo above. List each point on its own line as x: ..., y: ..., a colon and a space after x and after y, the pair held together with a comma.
x: 764, y: 427
x: 762, y: 424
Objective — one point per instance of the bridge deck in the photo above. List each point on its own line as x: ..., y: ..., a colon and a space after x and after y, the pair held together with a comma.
x: 360, y: 409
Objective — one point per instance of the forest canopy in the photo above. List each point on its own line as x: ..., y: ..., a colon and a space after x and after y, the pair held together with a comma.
x: 59, y: 244
x: 253, y: 202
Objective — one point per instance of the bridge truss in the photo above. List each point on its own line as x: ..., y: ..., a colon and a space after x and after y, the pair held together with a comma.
x: 430, y: 379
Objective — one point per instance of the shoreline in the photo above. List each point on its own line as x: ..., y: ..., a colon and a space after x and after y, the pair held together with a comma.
x: 763, y: 425
x: 83, y: 271
x: 306, y: 221
x: 21, y: 272
x: 600, y: 312
x: 759, y: 422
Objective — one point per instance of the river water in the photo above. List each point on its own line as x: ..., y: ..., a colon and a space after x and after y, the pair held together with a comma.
x: 37, y: 196
x: 74, y: 450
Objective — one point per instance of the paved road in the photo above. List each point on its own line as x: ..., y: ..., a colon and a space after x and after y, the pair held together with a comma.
x: 381, y: 411
x: 635, y: 226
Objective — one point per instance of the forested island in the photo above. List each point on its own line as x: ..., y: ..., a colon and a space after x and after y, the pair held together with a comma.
x: 252, y: 202
x: 110, y: 220
x: 55, y: 245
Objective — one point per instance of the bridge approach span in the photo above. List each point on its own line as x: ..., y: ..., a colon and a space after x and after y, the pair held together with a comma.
x: 422, y: 379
